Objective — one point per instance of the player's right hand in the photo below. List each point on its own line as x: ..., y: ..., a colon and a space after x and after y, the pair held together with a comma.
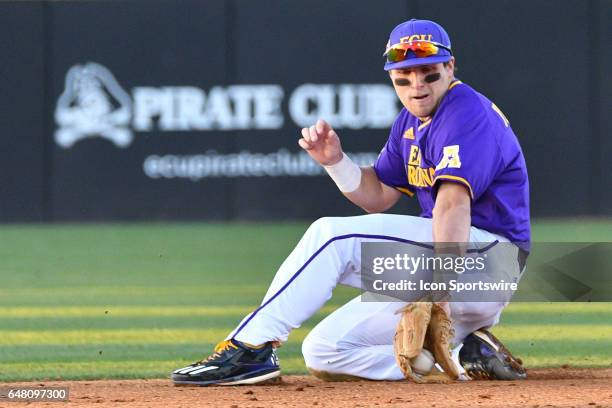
x: 322, y: 143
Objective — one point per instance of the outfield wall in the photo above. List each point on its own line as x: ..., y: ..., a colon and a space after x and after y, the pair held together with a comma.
x: 189, y: 109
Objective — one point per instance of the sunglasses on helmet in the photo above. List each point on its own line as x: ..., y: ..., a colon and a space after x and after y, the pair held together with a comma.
x: 420, y: 49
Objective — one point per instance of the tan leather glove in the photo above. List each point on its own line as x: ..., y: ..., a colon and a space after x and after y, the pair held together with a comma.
x: 424, y: 325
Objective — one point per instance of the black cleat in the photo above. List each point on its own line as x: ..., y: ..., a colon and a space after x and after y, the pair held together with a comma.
x: 232, y: 363
x: 483, y: 356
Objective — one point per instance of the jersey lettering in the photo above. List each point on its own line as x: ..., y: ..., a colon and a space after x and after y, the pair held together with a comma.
x: 417, y: 176
x: 414, y: 159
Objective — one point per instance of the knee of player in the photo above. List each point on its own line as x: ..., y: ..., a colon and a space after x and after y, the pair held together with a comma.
x: 325, y: 361
x: 309, y: 350
x: 472, y: 311
x: 314, y: 352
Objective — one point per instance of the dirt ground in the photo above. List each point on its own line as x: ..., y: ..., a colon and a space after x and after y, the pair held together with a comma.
x: 563, y: 387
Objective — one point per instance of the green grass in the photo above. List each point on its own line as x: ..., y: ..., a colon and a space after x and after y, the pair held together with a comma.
x: 138, y: 300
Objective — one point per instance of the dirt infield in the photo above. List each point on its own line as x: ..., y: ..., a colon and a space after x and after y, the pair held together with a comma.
x: 564, y: 387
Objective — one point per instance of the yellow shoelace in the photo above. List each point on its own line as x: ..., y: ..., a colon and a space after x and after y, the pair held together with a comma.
x: 220, y: 348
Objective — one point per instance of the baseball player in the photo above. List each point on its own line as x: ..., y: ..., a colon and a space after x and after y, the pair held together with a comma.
x: 452, y: 148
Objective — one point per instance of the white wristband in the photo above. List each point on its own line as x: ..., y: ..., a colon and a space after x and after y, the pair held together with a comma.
x: 346, y: 174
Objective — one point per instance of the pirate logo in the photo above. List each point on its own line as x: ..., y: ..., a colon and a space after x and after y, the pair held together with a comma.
x: 93, y: 104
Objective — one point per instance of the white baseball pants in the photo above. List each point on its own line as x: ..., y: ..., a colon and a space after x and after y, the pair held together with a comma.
x: 356, y: 339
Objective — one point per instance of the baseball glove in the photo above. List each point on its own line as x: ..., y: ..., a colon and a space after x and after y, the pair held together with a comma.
x: 424, y: 325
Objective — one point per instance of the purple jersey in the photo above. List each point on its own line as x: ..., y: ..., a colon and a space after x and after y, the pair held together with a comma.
x: 467, y: 141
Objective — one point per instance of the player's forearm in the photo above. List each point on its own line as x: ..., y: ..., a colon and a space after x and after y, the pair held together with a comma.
x: 372, y: 195
x: 362, y: 186
x: 451, y: 220
x: 452, y: 224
